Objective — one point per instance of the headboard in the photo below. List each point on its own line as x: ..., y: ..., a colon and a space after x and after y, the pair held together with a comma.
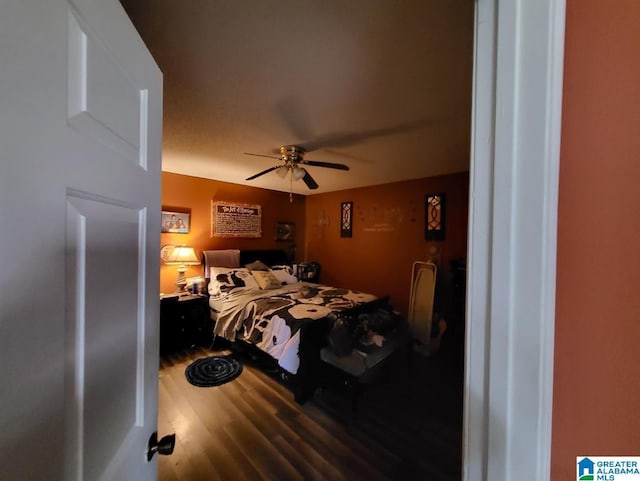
x: 239, y: 258
x: 271, y: 257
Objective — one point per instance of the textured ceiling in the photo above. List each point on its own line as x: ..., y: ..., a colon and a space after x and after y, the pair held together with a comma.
x: 383, y: 86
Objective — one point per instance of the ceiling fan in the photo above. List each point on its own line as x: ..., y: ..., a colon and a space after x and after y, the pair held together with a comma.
x: 294, y: 164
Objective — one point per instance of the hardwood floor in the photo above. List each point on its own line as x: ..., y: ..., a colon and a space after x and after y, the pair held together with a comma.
x: 407, y: 426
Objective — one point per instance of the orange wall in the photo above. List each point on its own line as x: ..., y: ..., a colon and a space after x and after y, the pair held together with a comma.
x: 388, y: 235
x: 597, y: 337
x: 194, y: 194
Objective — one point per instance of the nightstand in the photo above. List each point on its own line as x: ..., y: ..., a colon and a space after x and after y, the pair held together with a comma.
x: 184, y: 323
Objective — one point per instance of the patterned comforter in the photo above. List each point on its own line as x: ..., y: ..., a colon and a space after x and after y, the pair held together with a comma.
x: 273, y: 319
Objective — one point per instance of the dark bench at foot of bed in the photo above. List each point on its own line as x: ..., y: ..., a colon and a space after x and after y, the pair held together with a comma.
x: 359, y: 363
x: 314, y: 338
x: 360, y: 367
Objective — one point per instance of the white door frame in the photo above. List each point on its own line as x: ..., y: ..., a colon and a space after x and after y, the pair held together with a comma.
x: 517, y: 100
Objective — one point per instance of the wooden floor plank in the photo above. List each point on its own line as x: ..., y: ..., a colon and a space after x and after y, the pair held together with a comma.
x: 407, y: 426
x: 260, y: 452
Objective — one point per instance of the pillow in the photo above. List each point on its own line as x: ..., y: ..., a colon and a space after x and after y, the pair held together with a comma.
x: 266, y: 279
x: 223, y: 279
x: 283, y: 267
x: 257, y: 266
x: 284, y: 274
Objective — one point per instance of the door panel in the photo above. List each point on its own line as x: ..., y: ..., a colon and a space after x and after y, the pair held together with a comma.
x: 107, y: 358
x: 102, y: 101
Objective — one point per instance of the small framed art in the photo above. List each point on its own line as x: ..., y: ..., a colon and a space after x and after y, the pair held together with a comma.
x: 285, y: 231
x: 434, y: 221
x: 175, y: 222
x: 346, y: 219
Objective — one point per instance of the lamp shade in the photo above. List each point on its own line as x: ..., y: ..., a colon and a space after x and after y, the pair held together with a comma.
x: 182, y: 255
x: 298, y: 173
x: 282, y: 171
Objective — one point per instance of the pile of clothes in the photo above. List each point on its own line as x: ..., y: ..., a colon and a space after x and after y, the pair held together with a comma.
x: 364, y: 331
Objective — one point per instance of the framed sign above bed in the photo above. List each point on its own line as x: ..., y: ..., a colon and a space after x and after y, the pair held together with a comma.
x: 235, y: 220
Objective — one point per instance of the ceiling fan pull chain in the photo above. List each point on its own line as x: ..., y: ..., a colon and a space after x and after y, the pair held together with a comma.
x: 291, y: 189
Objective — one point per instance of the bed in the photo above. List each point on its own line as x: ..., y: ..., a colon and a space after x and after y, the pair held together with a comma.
x: 255, y: 299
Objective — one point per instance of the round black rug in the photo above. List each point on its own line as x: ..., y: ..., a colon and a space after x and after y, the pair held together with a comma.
x: 213, y: 371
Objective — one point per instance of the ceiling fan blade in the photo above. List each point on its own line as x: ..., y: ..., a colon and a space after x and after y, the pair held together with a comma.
x: 262, y: 155
x: 330, y: 165
x: 309, y: 180
x: 266, y: 171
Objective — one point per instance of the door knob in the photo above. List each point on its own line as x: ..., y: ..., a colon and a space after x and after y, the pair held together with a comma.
x: 164, y: 446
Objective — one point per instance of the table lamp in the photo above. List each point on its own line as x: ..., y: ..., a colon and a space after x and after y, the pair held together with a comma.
x: 182, y: 256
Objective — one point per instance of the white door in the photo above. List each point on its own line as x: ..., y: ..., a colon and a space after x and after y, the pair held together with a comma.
x: 80, y: 152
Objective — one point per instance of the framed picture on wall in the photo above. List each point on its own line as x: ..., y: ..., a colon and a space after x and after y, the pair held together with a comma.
x: 346, y: 219
x: 175, y: 222
x: 434, y: 222
x: 285, y: 231
x: 231, y: 219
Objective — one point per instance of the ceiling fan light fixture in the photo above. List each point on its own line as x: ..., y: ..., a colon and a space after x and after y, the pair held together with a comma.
x: 282, y: 171
x: 293, y: 157
x: 298, y: 173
